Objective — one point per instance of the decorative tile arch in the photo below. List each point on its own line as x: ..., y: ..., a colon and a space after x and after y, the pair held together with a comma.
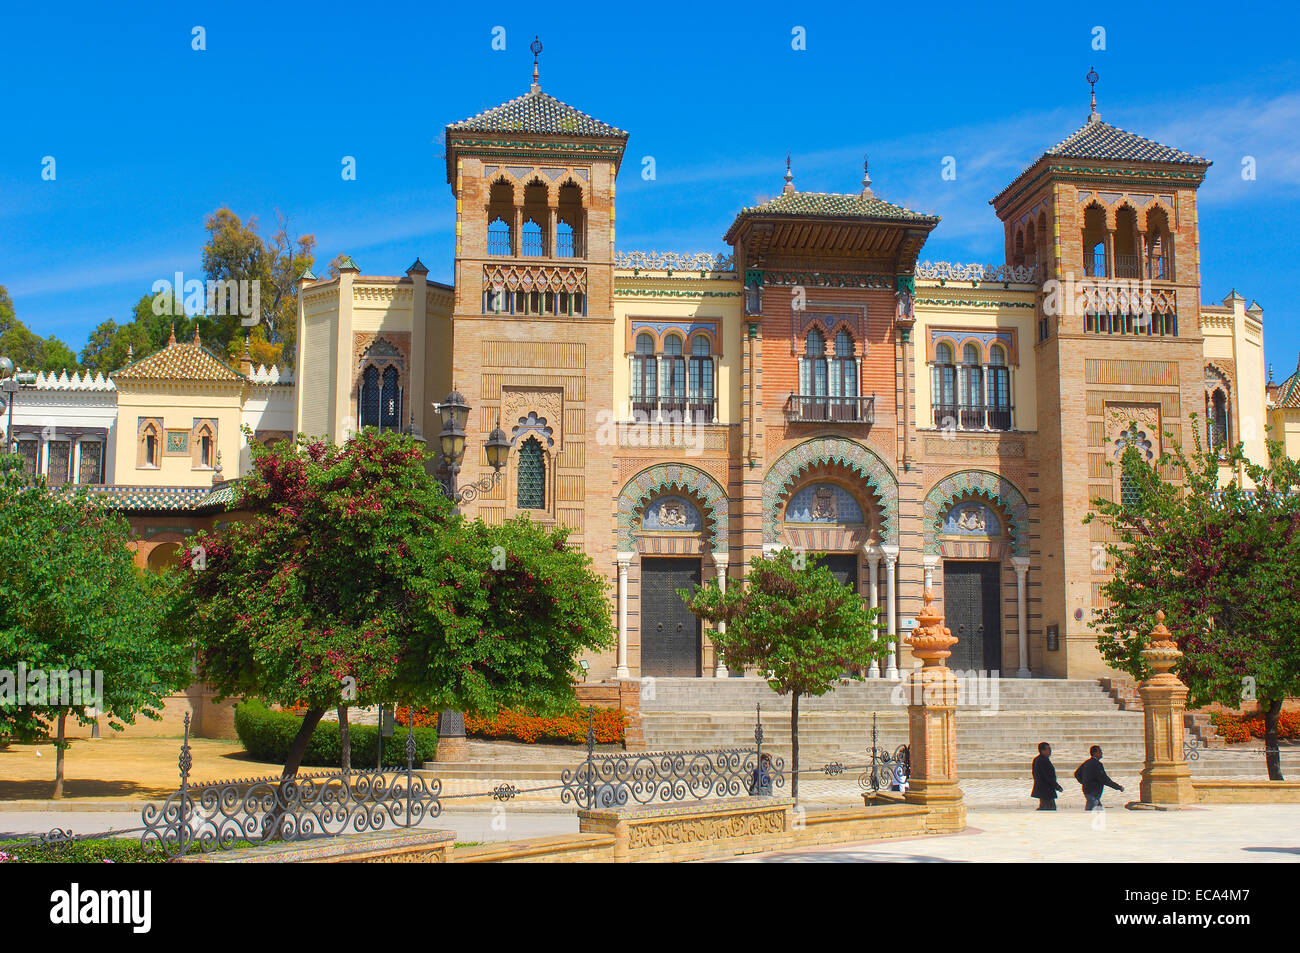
x: 673, y: 478
x: 968, y: 484
x: 796, y: 462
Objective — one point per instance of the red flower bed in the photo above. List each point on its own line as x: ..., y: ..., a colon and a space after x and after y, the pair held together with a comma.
x: 608, y: 723
x: 1236, y: 728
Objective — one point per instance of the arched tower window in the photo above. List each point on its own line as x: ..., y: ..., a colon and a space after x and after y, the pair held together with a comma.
x: 844, y: 378
x: 1160, y: 249
x: 570, y: 222
x: 943, y: 387
x: 369, y: 402
x: 1095, y: 233
x: 536, y: 221
x: 390, y: 400
x: 501, y: 216
x: 531, y: 486
x: 972, y: 388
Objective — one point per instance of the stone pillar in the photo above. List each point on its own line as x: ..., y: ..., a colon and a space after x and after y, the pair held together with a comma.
x: 1166, y: 778
x: 624, y: 560
x: 1022, y: 616
x: 932, y: 725
x: 891, y: 595
x: 873, y: 575
x: 720, y: 566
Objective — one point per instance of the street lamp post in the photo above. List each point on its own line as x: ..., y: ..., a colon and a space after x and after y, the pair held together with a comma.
x: 454, y: 413
x: 10, y: 384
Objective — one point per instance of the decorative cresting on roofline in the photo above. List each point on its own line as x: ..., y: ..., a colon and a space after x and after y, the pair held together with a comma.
x: 971, y: 484
x: 679, y: 478
x: 950, y: 271
x: 792, y: 465
x: 674, y: 261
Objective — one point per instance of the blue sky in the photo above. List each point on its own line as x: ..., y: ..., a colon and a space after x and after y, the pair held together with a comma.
x: 149, y: 135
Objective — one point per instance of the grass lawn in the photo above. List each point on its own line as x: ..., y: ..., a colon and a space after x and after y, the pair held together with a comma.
x: 120, y: 768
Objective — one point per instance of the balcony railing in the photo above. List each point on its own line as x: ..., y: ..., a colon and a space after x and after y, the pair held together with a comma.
x: 818, y: 408
x: 972, y: 416
x: 675, y: 410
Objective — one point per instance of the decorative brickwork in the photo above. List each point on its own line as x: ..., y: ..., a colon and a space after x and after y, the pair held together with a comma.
x: 971, y: 484
x: 797, y: 462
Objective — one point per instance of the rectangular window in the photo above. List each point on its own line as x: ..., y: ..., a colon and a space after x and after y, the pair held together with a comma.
x: 29, y: 448
x: 59, y: 453
x: 91, y: 468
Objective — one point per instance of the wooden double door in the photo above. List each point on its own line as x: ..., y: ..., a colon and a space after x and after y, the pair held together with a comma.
x: 972, y: 608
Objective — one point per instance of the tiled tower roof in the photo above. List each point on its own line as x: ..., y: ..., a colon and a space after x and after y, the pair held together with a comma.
x: 537, y: 112
x: 1100, y: 140
x: 837, y: 205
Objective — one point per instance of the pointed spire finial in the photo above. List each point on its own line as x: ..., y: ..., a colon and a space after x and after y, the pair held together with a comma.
x: 866, y: 180
x: 536, y: 47
x: 196, y: 333
x: 171, y: 338
x: 1092, y: 78
x: 789, y: 176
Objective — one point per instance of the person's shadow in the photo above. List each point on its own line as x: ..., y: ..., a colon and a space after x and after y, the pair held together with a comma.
x: 1272, y: 850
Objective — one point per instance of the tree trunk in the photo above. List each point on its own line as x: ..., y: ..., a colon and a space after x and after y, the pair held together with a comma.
x: 794, y: 745
x: 299, y: 746
x: 345, y: 741
x: 271, y: 827
x: 58, y: 756
x: 1272, y: 753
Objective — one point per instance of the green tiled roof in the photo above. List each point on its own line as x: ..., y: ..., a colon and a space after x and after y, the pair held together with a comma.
x: 537, y: 112
x: 836, y: 205
x: 160, y: 499
x: 1288, y: 392
x: 1100, y: 140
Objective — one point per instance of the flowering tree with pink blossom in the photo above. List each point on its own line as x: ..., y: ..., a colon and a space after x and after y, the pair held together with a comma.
x: 353, y: 581
x: 1213, y: 539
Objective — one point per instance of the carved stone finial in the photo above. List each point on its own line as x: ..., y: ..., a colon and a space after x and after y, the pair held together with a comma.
x: 171, y: 338
x: 789, y: 177
x: 1162, y: 652
x: 931, y: 641
x: 866, y: 180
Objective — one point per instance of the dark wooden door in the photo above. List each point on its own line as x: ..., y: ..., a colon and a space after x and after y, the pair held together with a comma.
x: 670, y: 633
x: 973, y: 611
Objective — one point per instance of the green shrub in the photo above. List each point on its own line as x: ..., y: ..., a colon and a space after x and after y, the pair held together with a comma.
x: 266, y: 735
x: 96, y: 850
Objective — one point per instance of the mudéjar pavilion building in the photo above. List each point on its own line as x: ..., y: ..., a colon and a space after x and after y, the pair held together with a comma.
x: 821, y: 386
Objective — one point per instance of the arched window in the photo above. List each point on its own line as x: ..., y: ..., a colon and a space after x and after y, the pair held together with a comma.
x: 672, y: 377
x: 500, y: 216
x: 390, y: 401
x: 531, y: 487
x: 1216, y: 414
x: 943, y: 387
x: 645, y: 377
x: 1160, y: 249
x: 701, y: 379
x: 203, y: 440
x: 972, y: 388
x: 814, y: 377
x: 844, y: 379
x: 999, y: 385
x: 569, y: 218
x: 1018, y: 255
x: 150, y: 452
x: 1128, y: 487
x: 563, y: 240
x: 369, y: 402
x: 1095, y: 264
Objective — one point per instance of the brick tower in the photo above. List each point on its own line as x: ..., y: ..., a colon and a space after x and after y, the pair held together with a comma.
x: 533, y: 311
x: 1108, y: 218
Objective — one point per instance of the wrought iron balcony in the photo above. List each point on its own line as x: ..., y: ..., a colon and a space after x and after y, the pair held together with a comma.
x: 818, y: 408
x: 972, y: 417
x: 675, y: 410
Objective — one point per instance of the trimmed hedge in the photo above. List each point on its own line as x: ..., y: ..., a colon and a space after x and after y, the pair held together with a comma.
x: 609, y: 725
x: 97, y: 850
x: 1234, y: 728
x: 266, y: 735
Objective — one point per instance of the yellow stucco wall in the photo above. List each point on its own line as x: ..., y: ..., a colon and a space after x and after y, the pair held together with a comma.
x: 685, y: 298
x: 987, y: 308
x: 179, y: 404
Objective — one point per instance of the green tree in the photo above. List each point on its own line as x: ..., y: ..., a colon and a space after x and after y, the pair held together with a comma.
x: 1215, y: 543
x: 804, y: 631
x: 355, y: 581
x: 73, y: 600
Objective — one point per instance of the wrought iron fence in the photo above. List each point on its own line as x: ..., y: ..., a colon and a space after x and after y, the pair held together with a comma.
x: 881, y: 770
x: 665, y: 777
x: 220, y: 815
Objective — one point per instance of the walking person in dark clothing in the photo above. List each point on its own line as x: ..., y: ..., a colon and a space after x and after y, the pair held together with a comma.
x: 1045, y: 786
x: 1093, y: 778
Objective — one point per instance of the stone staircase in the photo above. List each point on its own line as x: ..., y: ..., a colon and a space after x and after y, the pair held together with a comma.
x: 999, y: 726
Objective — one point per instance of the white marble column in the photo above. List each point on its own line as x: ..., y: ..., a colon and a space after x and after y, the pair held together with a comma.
x: 873, y: 575
x: 1022, y: 615
x: 931, y: 563
x: 624, y: 560
x: 720, y: 567
x: 891, y: 594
